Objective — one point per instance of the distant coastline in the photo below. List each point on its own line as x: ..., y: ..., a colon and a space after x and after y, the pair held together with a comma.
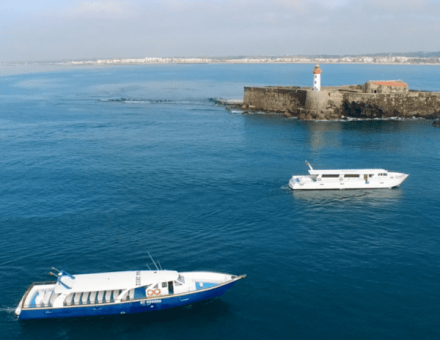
x: 385, y: 60
x: 420, y: 58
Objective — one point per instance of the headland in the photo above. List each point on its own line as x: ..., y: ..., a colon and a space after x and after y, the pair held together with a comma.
x: 372, y: 100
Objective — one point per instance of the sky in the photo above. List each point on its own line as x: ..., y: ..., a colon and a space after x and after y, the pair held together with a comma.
x: 49, y: 30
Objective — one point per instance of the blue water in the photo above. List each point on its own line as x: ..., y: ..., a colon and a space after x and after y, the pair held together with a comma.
x: 100, y: 165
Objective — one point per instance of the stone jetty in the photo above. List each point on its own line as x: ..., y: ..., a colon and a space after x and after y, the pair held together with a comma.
x: 374, y: 99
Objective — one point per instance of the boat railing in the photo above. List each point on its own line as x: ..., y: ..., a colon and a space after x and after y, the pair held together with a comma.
x: 32, y: 286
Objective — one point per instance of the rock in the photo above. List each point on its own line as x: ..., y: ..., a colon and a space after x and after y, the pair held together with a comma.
x: 321, y: 116
x: 436, y: 123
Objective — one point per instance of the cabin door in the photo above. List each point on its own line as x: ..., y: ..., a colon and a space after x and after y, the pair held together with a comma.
x: 170, y: 287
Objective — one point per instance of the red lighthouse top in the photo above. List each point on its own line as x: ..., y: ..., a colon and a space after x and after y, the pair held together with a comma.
x: 317, y: 70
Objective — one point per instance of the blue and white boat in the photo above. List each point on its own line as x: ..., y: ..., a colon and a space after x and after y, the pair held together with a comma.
x: 120, y: 292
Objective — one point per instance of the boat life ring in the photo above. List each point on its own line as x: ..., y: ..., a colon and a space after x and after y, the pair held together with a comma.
x: 157, y: 291
x: 150, y: 292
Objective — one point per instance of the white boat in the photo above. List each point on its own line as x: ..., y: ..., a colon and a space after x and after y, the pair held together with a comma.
x: 120, y: 292
x: 346, y: 179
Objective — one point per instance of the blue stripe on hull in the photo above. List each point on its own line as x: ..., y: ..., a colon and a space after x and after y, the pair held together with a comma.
x: 125, y: 308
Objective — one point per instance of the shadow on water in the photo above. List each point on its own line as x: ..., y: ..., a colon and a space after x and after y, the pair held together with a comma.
x: 166, y: 321
x: 383, y: 196
x: 369, y: 133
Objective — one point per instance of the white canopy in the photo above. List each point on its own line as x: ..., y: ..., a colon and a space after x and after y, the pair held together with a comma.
x: 348, y: 171
x: 113, y: 280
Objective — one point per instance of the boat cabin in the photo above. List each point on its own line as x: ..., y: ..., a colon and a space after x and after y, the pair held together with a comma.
x: 347, y: 175
x: 90, y: 289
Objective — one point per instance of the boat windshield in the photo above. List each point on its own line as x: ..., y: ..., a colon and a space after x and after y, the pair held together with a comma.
x: 181, y: 279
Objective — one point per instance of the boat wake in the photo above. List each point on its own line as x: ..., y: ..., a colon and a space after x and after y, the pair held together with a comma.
x: 8, y: 310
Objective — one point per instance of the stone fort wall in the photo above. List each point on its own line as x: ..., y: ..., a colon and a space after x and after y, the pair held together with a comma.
x: 419, y: 104
x: 338, y: 102
x: 274, y: 99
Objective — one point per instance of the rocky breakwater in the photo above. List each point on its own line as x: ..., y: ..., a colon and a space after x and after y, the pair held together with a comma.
x: 342, y: 102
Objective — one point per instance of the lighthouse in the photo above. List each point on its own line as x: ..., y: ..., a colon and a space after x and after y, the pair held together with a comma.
x: 317, y: 78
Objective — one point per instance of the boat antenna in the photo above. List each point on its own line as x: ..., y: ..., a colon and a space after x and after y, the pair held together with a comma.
x: 152, y: 260
x: 148, y: 266
x: 158, y: 262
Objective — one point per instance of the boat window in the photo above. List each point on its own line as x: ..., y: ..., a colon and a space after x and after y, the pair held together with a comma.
x: 164, y: 284
x: 177, y: 283
x: 371, y: 175
x: 351, y: 175
x: 181, y: 279
x: 156, y: 286
x: 330, y: 176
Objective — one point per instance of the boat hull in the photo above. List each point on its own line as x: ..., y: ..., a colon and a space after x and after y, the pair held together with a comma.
x: 138, y: 306
x: 304, y: 183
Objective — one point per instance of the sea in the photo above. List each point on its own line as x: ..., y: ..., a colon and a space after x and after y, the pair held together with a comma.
x: 101, y: 165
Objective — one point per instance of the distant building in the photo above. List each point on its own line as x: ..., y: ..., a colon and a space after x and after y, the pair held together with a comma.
x: 385, y: 86
x: 317, y: 78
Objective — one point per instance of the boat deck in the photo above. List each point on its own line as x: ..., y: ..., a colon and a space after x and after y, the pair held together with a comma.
x: 56, y: 295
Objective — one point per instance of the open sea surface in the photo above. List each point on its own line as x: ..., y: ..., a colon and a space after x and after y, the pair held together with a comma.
x: 99, y: 165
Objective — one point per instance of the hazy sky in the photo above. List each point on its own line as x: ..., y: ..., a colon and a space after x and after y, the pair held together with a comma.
x: 76, y: 29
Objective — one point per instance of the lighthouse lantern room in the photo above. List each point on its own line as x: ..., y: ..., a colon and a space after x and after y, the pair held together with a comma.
x: 317, y: 78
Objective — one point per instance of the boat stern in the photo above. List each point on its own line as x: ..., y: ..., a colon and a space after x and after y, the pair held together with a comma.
x: 294, y: 182
x: 18, y: 309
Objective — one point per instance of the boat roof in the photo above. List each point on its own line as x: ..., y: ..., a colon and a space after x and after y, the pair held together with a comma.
x: 112, y: 280
x: 351, y: 171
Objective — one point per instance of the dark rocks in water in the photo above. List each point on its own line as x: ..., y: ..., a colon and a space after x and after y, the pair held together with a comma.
x: 362, y: 110
x: 436, y: 123
x: 229, y: 103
